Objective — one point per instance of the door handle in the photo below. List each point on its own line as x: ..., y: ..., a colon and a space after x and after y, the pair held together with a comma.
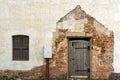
x: 88, y: 70
x: 73, y: 59
x: 88, y: 47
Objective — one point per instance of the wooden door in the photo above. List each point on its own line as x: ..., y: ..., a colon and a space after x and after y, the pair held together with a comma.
x: 79, y: 57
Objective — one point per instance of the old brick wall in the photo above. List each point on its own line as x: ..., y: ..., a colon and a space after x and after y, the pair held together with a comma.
x: 34, y: 73
x: 75, y: 23
x: 102, y: 41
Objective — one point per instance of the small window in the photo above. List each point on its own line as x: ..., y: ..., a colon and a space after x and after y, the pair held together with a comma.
x: 20, y: 47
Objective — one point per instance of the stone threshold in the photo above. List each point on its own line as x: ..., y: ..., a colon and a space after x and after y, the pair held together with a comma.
x: 79, y: 77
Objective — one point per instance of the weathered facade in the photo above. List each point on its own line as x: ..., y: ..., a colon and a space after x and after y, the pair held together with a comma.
x: 37, y: 20
x: 79, y: 24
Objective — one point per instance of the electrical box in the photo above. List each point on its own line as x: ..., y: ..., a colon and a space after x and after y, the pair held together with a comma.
x: 47, y: 51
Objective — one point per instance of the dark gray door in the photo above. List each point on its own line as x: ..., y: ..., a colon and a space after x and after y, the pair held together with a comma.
x: 79, y: 57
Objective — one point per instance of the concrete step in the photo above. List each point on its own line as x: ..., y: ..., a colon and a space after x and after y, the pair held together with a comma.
x: 78, y: 77
x: 114, y: 76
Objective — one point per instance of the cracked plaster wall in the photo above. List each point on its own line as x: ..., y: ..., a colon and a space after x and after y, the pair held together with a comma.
x: 101, y: 48
x: 37, y: 18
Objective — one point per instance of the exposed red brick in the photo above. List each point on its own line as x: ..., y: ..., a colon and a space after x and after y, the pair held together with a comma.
x: 101, y: 51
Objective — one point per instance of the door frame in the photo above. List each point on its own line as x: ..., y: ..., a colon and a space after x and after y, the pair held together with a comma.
x: 90, y: 39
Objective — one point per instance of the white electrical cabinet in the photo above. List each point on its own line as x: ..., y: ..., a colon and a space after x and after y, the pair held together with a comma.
x: 47, y: 51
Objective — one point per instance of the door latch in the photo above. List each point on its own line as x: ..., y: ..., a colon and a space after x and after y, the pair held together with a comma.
x: 88, y: 70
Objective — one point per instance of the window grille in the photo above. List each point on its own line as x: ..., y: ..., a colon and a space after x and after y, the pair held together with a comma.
x: 20, y: 47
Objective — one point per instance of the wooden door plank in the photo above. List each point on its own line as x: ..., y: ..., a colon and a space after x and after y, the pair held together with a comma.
x: 79, y: 57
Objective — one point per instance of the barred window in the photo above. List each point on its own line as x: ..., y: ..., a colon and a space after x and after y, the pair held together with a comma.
x: 20, y: 47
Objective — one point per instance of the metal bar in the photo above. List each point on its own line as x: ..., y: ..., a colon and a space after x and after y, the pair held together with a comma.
x: 47, y: 68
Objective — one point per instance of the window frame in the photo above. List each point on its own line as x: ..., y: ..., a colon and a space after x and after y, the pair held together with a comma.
x: 25, y: 55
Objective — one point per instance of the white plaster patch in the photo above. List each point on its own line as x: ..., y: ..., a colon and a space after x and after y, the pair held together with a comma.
x: 117, y: 15
x: 116, y: 62
x: 37, y: 18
